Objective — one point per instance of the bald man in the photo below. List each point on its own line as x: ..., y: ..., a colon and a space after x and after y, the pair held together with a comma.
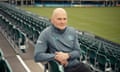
x: 61, y: 42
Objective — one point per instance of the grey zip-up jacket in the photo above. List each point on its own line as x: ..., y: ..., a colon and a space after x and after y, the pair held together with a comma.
x: 52, y: 40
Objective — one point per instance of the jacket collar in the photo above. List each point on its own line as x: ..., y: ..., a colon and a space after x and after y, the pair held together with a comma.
x: 58, y: 30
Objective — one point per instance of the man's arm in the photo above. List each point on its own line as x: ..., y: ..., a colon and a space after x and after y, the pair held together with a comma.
x: 41, y: 47
x: 75, y: 53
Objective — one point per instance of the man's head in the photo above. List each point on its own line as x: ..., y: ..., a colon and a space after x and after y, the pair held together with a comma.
x: 59, y: 18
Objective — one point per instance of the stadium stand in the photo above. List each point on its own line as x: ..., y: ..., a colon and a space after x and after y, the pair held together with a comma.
x: 64, y: 3
x: 16, y: 38
x: 101, y: 51
x: 76, y: 3
x: 19, y: 26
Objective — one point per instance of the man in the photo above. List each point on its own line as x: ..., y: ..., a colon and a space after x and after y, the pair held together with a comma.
x: 62, y: 43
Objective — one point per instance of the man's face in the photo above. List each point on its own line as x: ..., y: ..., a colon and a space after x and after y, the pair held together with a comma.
x: 59, y: 20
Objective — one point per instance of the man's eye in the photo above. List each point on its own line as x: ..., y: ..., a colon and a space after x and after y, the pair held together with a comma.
x: 59, y: 18
x: 64, y: 18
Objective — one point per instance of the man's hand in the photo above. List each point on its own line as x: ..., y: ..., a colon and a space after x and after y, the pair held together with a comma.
x: 62, y: 58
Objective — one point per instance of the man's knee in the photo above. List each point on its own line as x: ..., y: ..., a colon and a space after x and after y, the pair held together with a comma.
x: 84, y: 68
x: 81, y: 67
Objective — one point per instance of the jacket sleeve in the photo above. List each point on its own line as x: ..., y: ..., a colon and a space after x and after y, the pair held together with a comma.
x: 40, y: 54
x: 75, y: 53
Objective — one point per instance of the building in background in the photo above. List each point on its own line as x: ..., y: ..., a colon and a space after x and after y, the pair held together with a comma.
x: 69, y: 3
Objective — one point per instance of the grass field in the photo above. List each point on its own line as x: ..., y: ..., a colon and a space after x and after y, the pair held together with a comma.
x: 104, y: 22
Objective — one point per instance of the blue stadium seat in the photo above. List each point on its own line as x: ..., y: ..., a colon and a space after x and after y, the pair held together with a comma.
x: 54, y: 66
x: 103, y: 63
x: 4, y: 66
x: 1, y: 54
x: 92, y: 54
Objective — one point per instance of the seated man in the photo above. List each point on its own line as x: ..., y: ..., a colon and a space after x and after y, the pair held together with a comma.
x: 62, y: 43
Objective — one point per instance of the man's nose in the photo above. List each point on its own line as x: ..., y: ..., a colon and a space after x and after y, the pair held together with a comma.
x: 62, y: 21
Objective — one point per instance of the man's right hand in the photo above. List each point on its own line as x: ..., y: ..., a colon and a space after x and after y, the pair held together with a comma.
x: 62, y: 58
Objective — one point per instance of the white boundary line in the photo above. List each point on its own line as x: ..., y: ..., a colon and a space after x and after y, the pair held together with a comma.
x: 41, y: 66
x: 25, y: 66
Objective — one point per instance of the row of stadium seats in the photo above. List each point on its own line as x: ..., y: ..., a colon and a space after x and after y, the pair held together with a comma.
x: 4, y: 65
x: 26, y: 22
x: 13, y: 34
x: 99, y: 54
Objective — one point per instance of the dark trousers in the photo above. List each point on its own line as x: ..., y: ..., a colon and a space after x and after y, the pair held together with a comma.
x: 78, y: 68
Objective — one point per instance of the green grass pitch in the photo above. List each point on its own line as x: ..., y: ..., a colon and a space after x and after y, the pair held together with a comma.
x: 101, y: 21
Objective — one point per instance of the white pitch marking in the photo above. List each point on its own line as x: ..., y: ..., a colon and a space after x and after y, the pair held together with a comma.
x: 25, y: 66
